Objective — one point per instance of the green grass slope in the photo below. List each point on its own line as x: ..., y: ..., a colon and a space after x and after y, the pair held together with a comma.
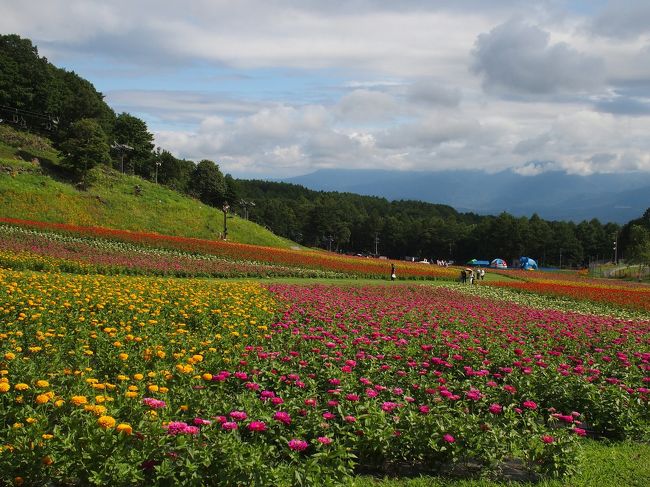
x: 27, y: 191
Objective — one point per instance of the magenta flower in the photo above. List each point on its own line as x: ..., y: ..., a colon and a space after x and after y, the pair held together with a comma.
x: 548, y: 439
x: 257, y: 426
x: 580, y: 431
x: 327, y: 416
x: 496, y: 408
x: 424, y: 409
x: 153, y: 403
x: 388, y: 406
x: 449, y: 438
x: 324, y: 440
x: 298, y: 445
x: 229, y: 425
x: 530, y: 405
x: 238, y: 415
x: 283, y: 417
x: 350, y: 419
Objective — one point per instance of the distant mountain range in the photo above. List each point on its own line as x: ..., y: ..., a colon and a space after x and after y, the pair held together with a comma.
x: 552, y: 195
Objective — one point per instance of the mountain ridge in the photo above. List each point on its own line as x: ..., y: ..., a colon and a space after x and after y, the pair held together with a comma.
x: 553, y: 195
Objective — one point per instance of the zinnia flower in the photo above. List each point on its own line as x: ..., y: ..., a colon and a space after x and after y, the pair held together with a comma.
x: 298, y: 445
x: 106, y: 422
x: 257, y: 426
x: 449, y: 438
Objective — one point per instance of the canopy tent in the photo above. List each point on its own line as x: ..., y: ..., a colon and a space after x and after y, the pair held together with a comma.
x: 527, y: 263
x: 499, y: 264
x: 478, y: 263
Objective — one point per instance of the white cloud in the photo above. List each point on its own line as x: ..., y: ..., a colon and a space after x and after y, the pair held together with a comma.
x: 408, y: 85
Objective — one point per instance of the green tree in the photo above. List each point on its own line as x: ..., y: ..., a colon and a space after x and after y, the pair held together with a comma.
x: 85, y: 147
x: 208, y: 184
x: 133, y: 132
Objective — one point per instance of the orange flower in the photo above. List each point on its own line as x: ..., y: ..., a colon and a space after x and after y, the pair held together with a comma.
x: 124, y: 428
x: 106, y: 422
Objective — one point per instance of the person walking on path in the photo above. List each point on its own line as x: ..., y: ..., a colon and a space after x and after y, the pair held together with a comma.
x: 463, y: 276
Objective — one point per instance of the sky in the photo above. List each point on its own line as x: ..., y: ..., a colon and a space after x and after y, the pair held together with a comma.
x: 280, y: 88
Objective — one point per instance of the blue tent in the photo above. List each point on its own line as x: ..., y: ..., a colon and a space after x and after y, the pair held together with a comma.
x: 499, y: 264
x: 527, y: 264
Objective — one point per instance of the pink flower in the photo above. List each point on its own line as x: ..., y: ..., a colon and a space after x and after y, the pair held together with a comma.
x: 350, y: 419
x: 328, y: 416
x: 283, y: 417
x: 238, y: 415
x: 324, y: 440
x: 257, y: 426
x: 201, y: 422
x: 580, y: 431
x: 530, y: 405
x: 298, y: 445
x: 449, y: 438
x: 424, y: 409
x: 153, y: 403
x: 548, y: 439
x: 352, y: 397
x: 229, y: 425
x: 496, y: 408
x: 388, y: 406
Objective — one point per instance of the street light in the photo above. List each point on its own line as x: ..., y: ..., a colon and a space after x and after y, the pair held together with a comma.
x: 121, y: 148
x: 225, y: 209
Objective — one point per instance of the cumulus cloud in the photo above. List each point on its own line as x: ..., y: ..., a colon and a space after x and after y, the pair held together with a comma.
x: 517, y: 57
x: 279, y: 87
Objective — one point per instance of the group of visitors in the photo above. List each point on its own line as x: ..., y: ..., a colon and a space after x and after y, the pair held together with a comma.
x: 472, y: 276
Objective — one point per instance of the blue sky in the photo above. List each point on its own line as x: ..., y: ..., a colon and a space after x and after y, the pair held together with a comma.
x: 279, y: 88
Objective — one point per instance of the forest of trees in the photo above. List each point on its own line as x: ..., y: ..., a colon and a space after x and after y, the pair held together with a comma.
x: 37, y: 96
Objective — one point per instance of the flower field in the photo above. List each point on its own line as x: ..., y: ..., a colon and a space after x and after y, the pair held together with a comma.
x: 115, y: 380
x: 105, y: 254
x: 620, y: 293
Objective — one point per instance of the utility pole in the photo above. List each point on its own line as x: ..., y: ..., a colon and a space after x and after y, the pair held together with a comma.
x: 376, y: 244
x: 615, y: 248
x: 121, y: 148
x: 225, y: 209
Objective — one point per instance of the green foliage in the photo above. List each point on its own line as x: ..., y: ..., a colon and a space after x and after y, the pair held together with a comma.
x: 86, y: 146
x: 208, y: 184
x: 133, y: 132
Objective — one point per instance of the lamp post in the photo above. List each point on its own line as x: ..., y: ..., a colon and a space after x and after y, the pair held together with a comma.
x: 615, y: 248
x: 225, y: 209
x: 121, y: 148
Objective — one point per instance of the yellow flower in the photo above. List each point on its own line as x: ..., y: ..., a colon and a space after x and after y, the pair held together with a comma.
x: 106, y: 422
x: 4, y: 387
x: 42, y: 398
x: 207, y: 376
x: 42, y: 384
x: 123, y: 356
x: 10, y: 356
x: 138, y: 376
x: 124, y: 428
x: 21, y: 387
x: 78, y: 400
x: 131, y: 394
x: 47, y: 437
x: 46, y: 460
x: 31, y: 420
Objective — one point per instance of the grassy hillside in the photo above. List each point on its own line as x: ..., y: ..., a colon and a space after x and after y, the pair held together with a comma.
x: 31, y: 190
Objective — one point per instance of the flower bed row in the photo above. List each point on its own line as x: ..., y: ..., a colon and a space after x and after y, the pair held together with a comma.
x: 250, y: 253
